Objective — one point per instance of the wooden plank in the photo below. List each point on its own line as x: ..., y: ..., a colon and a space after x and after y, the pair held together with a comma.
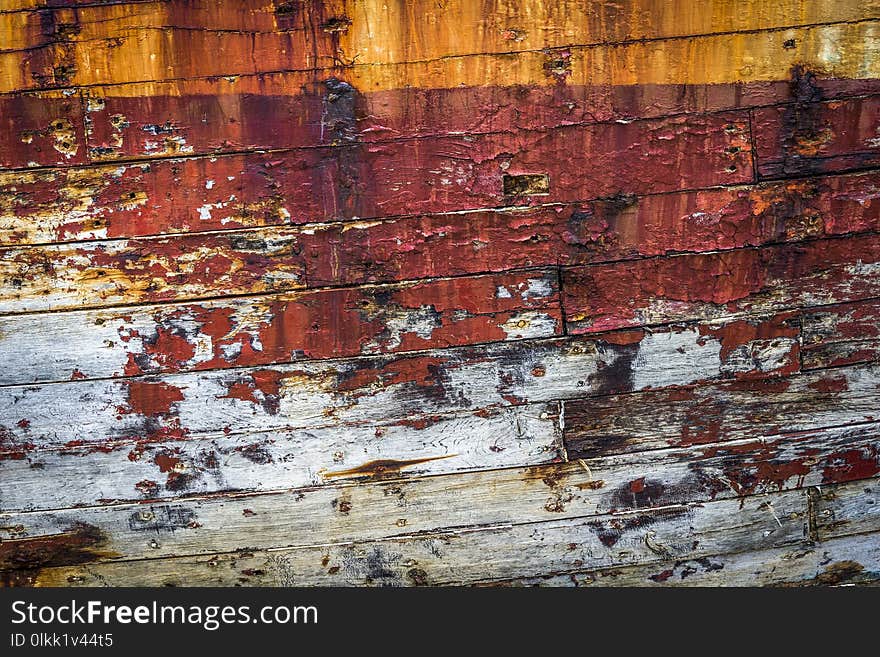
x: 842, y: 510
x: 281, y: 328
x: 811, y: 137
x: 839, y: 335
x: 448, y: 174
x: 380, y: 389
x: 646, y: 292
x: 219, y: 115
x: 42, y: 129
x: 169, y: 196
x: 281, y: 459
x: 173, y: 469
x: 137, y: 271
x: 37, y: 5
x: 422, y: 30
x: 399, y: 505
x: 846, y: 561
x: 693, y: 415
x: 181, y: 196
x: 165, y: 54
x: 82, y: 22
x: 461, y: 557
x: 614, y: 228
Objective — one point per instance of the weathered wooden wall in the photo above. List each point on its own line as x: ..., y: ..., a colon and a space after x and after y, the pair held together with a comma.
x: 517, y: 292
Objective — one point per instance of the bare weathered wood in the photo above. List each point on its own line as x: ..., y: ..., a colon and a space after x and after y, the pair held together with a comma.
x: 267, y: 330
x: 852, y: 509
x: 114, y: 273
x: 681, y: 531
x: 693, y: 415
x: 283, y: 459
x: 399, y: 504
x: 383, y: 389
x: 838, y: 335
x: 849, y: 560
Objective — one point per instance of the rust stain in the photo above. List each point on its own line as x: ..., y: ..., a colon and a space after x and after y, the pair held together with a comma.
x: 22, y: 559
x: 381, y: 467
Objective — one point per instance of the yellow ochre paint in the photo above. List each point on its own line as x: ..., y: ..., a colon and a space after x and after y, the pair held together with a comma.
x: 394, y: 44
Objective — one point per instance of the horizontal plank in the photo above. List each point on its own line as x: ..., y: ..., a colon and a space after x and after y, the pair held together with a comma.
x: 181, y: 196
x: 80, y: 22
x: 166, y: 54
x: 840, y: 335
x: 433, y: 175
x: 695, y: 415
x: 683, y: 531
x: 120, y: 272
x: 281, y: 328
x: 38, y: 5
x: 422, y: 30
x: 849, y: 560
x: 769, y: 279
x: 391, y: 503
x: 167, y: 196
x: 376, y: 389
x: 614, y: 228
x: 222, y: 115
x: 851, y: 509
x: 810, y: 137
x: 281, y: 459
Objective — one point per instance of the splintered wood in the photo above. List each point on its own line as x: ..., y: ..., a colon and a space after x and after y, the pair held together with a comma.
x: 510, y: 293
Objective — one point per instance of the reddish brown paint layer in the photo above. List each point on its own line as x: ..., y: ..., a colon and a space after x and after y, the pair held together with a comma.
x: 605, y: 297
x: 151, y: 398
x: 344, y: 322
x: 419, y: 176
x: 41, y: 130
x: 841, y: 335
x: 810, y: 137
x: 169, y: 196
x: 168, y: 123
x: 159, y: 125
x: 616, y: 227
x: 621, y: 226
x: 767, y: 465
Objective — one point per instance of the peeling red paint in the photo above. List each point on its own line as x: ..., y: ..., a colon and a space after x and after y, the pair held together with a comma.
x: 852, y: 465
x: 152, y: 398
x: 817, y: 137
x: 605, y: 297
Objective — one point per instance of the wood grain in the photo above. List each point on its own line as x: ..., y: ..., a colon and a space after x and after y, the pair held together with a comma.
x: 467, y: 556
x: 148, y: 55
x: 369, y: 292
x: 694, y: 415
x: 607, y: 297
x: 399, y: 502
x: 367, y: 390
x: 281, y: 328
